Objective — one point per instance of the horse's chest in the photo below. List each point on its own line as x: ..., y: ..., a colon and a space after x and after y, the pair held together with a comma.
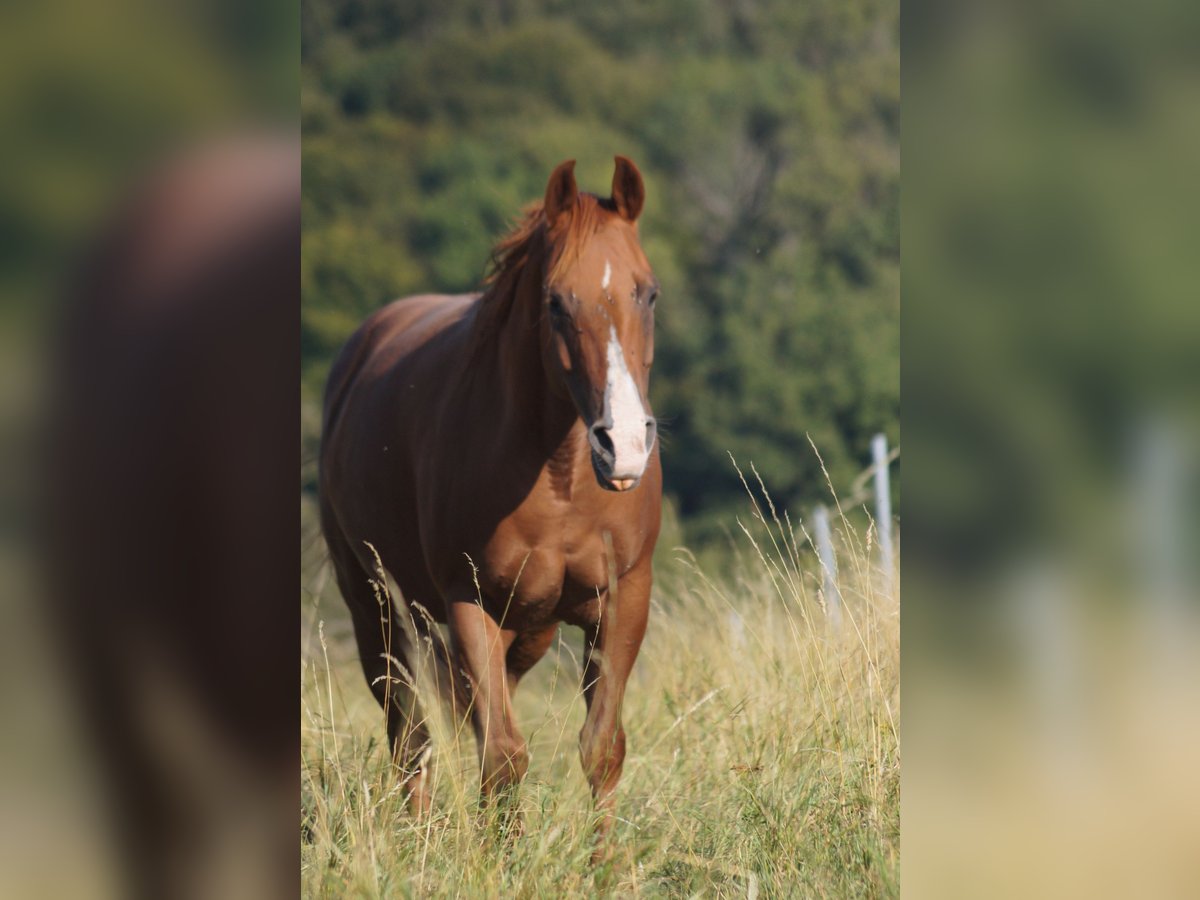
x: 558, y: 578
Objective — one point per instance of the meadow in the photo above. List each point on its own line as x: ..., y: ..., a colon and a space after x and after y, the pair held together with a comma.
x: 763, y: 745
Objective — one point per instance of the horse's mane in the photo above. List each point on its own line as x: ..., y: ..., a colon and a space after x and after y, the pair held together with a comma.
x: 532, y: 241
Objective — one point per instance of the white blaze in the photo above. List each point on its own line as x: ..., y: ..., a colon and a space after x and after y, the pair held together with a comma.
x: 607, y: 276
x: 623, y: 401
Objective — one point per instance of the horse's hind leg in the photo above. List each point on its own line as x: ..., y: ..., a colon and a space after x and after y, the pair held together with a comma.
x: 525, y: 651
x: 388, y: 660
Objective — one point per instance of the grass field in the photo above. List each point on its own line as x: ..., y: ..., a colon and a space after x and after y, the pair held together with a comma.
x: 763, y: 749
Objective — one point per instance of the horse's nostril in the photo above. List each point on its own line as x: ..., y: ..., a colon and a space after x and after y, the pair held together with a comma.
x: 601, y: 442
x: 651, y: 432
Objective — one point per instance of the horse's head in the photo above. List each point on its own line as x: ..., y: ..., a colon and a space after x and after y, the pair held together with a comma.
x: 597, y: 326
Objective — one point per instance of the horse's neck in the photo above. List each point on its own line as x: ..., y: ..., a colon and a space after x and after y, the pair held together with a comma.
x: 515, y: 370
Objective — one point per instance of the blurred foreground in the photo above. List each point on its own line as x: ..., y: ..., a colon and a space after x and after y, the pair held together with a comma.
x: 149, y: 204
x: 1051, y: 333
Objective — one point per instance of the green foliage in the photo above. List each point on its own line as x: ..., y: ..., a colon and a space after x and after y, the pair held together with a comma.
x: 769, y: 137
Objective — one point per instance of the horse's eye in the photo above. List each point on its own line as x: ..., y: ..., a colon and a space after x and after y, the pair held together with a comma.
x: 556, y: 305
x: 653, y: 297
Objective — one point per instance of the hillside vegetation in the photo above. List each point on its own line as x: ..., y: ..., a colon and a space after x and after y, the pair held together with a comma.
x: 768, y: 134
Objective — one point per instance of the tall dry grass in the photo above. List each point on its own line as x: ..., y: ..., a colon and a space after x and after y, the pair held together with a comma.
x: 763, y: 748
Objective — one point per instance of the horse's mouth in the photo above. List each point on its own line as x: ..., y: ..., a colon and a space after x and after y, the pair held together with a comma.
x: 606, y: 481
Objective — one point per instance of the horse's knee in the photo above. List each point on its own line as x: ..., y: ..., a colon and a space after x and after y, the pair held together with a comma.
x: 602, y: 755
x: 505, y: 762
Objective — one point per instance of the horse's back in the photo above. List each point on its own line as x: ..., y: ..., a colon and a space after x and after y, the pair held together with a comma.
x: 385, y: 339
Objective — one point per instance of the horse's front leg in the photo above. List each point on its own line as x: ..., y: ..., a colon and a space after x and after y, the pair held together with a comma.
x: 479, y: 646
x: 611, y: 646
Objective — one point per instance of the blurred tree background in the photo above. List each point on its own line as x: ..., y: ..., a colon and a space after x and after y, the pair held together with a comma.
x: 768, y: 132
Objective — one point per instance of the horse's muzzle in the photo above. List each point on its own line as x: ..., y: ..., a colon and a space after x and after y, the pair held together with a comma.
x: 619, y: 471
x: 608, y: 481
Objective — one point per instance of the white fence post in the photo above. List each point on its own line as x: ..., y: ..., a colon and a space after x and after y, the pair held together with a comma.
x: 883, y: 506
x: 833, y: 598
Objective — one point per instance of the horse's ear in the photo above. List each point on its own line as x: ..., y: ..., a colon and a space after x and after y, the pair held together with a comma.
x: 628, y: 192
x: 561, y: 192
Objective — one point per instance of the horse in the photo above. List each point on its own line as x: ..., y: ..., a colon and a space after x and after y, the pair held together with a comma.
x: 496, y: 453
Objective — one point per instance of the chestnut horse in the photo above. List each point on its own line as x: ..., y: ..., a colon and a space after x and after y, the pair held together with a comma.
x: 492, y: 448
